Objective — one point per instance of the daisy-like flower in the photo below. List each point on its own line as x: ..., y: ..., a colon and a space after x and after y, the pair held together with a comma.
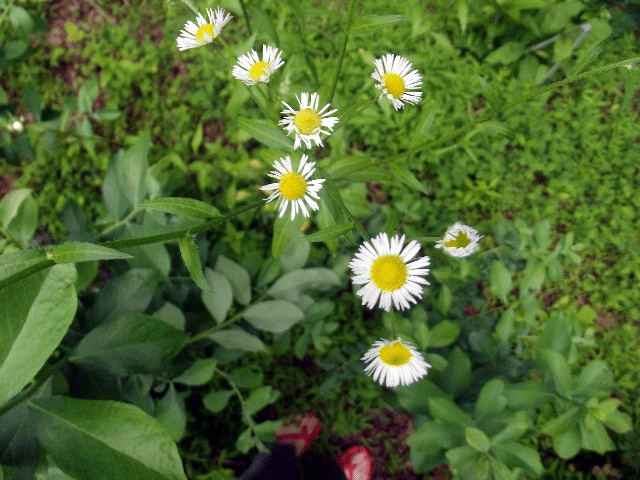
x: 384, y: 269
x: 197, y: 35
x: 250, y: 70
x: 294, y: 187
x: 397, y: 81
x: 394, y: 363
x: 307, y: 122
x: 460, y: 240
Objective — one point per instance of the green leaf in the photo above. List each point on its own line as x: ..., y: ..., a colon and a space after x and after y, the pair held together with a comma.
x: 219, y: 298
x: 75, y: 252
x: 595, y: 376
x: 595, y: 436
x: 296, y: 254
x: 191, y: 259
x: 334, y: 231
x: 260, y: 398
x: 516, y: 454
x: 188, y: 207
x: 297, y: 281
x: 199, y: 373
x: 446, y: 411
x: 558, y: 17
x: 245, y: 441
x: 618, y: 422
x: 506, y: 325
x: 567, y: 444
x: 35, y: 314
x: 19, y: 215
x: 533, y: 276
x: 516, y: 427
x: 134, y: 343
x: 476, y: 439
x: 265, y: 132
x: 103, y: 440
x: 284, y: 229
x: 196, y: 141
x: 505, y: 54
x: 217, y: 401
x: 246, y: 377
x: 273, y: 316
x: 562, y: 423
x: 491, y: 400
x: 406, y: 177
x: 171, y: 315
x: 368, y: 23
x: 458, y: 457
x: 556, y: 335
x: 433, y: 436
x: 21, y: 20
x: 443, y: 334
x: 238, y: 278
x: 490, y: 94
x: 237, y: 339
x: 456, y: 377
x: 87, y: 94
x: 444, y: 299
x: 171, y: 413
x: 526, y: 395
x: 500, y: 282
x: 552, y: 364
x: 14, y: 262
x: 333, y: 198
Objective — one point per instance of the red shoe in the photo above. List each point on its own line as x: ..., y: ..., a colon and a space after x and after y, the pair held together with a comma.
x: 356, y: 463
x: 301, y: 431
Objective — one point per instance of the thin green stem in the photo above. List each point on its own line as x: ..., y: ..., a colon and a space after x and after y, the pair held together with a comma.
x: 343, y: 49
x: 394, y: 330
x: 122, y: 222
x: 245, y: 14
x: 6, y: 10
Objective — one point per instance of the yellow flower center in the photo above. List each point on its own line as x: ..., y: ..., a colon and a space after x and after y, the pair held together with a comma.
x: 389, y: 272
x: 259, y: 69
x: 307, y: 121
x: 461, y: 241
x: 203, y: 31
x: 292, y: 186
x: 396, y: 354
x: 394, y: 84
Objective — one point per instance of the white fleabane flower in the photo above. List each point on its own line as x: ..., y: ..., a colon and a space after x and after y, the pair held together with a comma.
x: 460, y: 240
x: 397, y: 81
x: 294, y: 186
x: 387, y: 272
x: 394, y: 363
x: 197, y: 35
x: 250, y: 70
x: 15, y: 126
x: 307, y: 122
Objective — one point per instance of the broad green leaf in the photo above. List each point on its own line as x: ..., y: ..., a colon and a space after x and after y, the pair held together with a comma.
x: 516, y: 454
x: 245, y: 441
x: 191, y: 259
x: 238, y: 278
x: 273, y: 315
x: 554, y: 366
x: 284, y: 229
x: 87, y: 94
x: 237, y: 339
x: 329, y: 233
x: 219, y: 298
x: 443, y: 334
x: 556, y: 334
x: 75, y: 252
x: 562, y: 423
x: 505, y: 54
x: 260, y: 398
x: 172, y: 315
x: 35, y: 314
x: 103, y: 440
x: 506, y: 325
x: 296, y: 254
x: 459, y: 456
x: 247, y: 378
x: 456, y: 377
x: 593, y: 377
x: 595, y: 437
x: 491, y: 400
x: 476, y: 439
x: 533, y: 275
x: 171, y: 413
x: 320, y: 279
x: 130, y: 292
x: 500, y: 282
x: 20, y: 20
x: 368, y: 23
x: 182, y: 206
x: 199, y: 373
x: 266, y: 133
x: 517, y: 425
x: 446, y: 411
x: 217, y: 401
x: 567, y: 444
x: 333, y: 198
x: 14, y: 262
x: 19, y: 214
x: 134, y: 343
x: 406, y: 177
x: 526, y: 395
x: 490, y: 94
x: 463, y: 14
x: 444, y: 299
x: 558, y: 16
x: 619, y: 422
x: 153, y: 256
x: 434, y: 436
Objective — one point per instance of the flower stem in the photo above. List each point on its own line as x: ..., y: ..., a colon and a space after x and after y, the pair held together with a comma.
x: 245, y: 14
x: 343, y: 49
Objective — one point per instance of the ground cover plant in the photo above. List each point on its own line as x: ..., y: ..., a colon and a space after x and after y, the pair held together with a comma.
x: 150, y: 296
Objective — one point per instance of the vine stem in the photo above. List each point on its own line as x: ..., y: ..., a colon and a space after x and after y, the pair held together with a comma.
x: 343, y: 49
